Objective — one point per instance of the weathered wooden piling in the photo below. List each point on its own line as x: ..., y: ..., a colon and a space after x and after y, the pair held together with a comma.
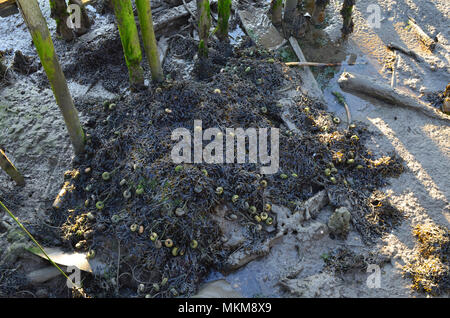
x: 276, y: 9
x: 204, y: 24
x: 85, y: 22
x: 148, y: 34
x: 346, y: 12
x: 10, y: 169
x: 289, y: 10
x: 224, y: 9
x: 46, y: 51
x: 59, y: 14
x: 130, y: 41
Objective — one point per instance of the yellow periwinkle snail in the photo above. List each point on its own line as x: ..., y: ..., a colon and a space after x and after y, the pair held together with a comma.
x: 168, y: 243
x: 194, y: 244
x: 153, y: 236
x: 219, y: 190
x: 100, y: 205
x: 106, y: 176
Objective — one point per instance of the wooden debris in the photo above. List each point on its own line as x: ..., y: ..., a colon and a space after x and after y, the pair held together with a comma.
x: 10, y: 169
x: 370, y: 87
x: 393, y: 46
x: 310, y: 84
x: 423, y: 37
x: 42, y: 275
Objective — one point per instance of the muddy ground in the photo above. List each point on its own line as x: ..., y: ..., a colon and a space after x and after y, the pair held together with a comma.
x: 34, y: 136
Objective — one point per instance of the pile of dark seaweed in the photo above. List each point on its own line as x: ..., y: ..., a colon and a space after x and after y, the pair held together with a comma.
x: 130, y: 138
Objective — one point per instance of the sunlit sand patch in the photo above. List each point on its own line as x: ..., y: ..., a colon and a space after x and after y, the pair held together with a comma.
x: 415, y: 166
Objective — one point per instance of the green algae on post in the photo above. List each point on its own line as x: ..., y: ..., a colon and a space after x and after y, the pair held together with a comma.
x: 148, y: 34
x: 276, y: 7
x: 46, y: 51
x: 204, y: 24
x: 346, y: 12
x: 224, y: 8
x: 130, y: 41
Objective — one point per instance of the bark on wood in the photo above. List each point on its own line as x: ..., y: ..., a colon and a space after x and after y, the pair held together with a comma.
x: 370, y: 87
x: 46, y: 51
x: 10, y: 169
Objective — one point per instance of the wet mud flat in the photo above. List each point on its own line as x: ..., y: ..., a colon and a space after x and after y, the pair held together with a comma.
x: 161, y: 228
x: 127, y: 196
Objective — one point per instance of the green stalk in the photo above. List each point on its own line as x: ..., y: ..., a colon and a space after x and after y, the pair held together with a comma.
x: 46, y: 51
x: 130, y: 41
x: 59, y: 14
x: 276, y: 9
x: 10, y: 169
x: 148, y: 34
x: 31, y: 236
x: 346, y: 12
x: 204, y: 24
x: 224, y: 8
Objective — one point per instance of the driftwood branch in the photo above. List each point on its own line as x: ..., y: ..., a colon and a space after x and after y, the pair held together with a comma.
x: 393, y: 46
x: 370, y: 87
x: 424, y: 38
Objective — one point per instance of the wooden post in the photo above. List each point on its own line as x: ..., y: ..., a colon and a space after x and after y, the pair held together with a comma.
x: 10, y: 169
x: 346, y: 12
x: 46, y: 51
x: 130, y: 41
x: 276, y: 9
x: 309, y: 6
x: 224, y: 8
x: 289, y: 10
x: 204, y: 24
x: 59, y: 14
x: 148, y: 34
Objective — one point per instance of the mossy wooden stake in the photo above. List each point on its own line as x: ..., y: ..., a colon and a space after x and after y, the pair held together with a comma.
x: 148, y: 34
x: 59, y: 14
x: 346, y: 12
x: 224, y: 8
x: 130, y: 41
x: 46, y: 51
x: 204, y: 24
x: 276, y: 9
x: 10, y: 169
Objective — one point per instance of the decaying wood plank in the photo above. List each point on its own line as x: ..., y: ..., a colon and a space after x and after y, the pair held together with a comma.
x: 424, y: 38
x: 312, y: 89
x: 370, y: 87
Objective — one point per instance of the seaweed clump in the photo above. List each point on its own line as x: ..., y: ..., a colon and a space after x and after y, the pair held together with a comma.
x: 133, y: 203
x: 430, y: 268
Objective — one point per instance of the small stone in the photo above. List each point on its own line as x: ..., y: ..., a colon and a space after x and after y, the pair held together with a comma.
x: 339, y: 222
